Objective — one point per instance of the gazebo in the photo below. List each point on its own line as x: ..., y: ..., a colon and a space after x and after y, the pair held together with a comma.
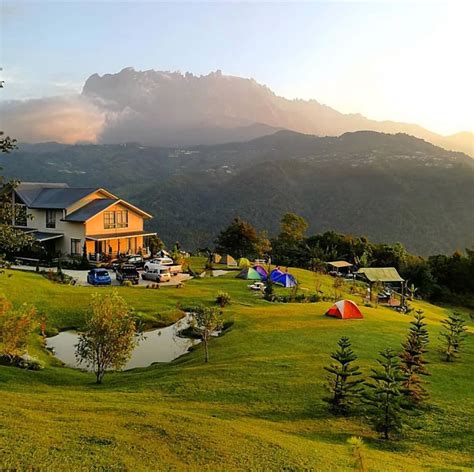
x: 383, y: 275
x: 338, y: 266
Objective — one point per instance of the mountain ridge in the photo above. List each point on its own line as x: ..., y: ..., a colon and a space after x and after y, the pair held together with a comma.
x: 172, y: 100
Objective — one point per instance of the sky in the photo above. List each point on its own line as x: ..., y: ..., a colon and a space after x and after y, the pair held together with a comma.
x: 401, y: 61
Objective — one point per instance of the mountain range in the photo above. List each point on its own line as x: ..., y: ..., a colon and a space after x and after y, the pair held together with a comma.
x: 173, y: 109
x: 389, y: 187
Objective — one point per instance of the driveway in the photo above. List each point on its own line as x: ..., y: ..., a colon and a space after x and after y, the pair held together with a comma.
x: 81, y: 276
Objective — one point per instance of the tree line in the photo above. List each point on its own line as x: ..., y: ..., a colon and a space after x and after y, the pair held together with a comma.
x: 438, y: 278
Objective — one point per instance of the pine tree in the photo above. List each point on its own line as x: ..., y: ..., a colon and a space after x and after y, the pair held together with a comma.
x: 385, y: 395
x: 453, y: 336
x: 343, y: 383
x: 412, y: 360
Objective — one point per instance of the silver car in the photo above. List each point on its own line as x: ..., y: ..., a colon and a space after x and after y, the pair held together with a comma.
x: 155, y: 275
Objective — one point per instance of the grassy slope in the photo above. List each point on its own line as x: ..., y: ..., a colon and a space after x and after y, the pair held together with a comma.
x: 256, y: 405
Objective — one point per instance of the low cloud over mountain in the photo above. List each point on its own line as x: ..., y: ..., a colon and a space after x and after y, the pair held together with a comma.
x: 171, y: 109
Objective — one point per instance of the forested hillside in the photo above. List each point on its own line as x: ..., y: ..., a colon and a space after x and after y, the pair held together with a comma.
x: 388, y: 187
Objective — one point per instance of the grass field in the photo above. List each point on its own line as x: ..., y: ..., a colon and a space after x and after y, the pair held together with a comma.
x: 256, y: 405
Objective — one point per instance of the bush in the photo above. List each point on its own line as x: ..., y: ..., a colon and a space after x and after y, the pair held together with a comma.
x: 127, y: 283
x: 23, y: 362
x: 223, y: 299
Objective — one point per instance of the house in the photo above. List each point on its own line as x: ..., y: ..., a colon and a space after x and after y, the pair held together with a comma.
x: 64, y: 219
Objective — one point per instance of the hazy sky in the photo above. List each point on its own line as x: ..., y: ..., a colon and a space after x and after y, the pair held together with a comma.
x: 402, y: 61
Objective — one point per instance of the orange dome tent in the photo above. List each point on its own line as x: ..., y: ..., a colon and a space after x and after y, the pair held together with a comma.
x: 345, y: 309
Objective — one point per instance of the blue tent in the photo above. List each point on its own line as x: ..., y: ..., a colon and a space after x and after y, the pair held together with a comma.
x: 287, y: 280
x: 275, y: 274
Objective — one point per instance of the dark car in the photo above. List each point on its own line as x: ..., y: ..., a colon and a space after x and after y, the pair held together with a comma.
x: 127, y: 272
x: 136, y: 261
x: 98, y: 277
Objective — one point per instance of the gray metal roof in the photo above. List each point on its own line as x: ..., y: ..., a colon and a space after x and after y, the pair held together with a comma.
x: 29, y: 191
x: 60, y: 198
x: 90, y: 209
x: 41, y: 236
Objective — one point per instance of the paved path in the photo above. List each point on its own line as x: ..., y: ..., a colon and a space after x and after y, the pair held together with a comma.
x: 81, y: 276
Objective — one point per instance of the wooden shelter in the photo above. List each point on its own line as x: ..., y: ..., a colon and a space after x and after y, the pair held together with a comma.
x: 383, y: 275
x: 338, y: 267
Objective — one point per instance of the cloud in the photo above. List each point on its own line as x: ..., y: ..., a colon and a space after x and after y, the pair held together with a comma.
x: 67, y: 119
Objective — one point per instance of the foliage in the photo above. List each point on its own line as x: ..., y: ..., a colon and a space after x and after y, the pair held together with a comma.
x: 412, y: 359
x: 155, y: 244
x: 343, y: 383
x: 453, y: 336
x: 384, y: 396
x: 238, y: 239
x: 357, y: 446
x: 288, y: 246
x: 206, y: 321
x: 109, y: 336
x: 337, y: 285
x: 262, y: 246
x: 293, y: 227
x: 16, y: 326
x: 269, y: 290
x: 223, y: 299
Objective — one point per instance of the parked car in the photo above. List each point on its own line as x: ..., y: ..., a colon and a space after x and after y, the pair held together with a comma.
x: 127, y: 272
x: 157, y: 262
x: 135, y: 260
x: 98, y: 277
x: 157, y: 275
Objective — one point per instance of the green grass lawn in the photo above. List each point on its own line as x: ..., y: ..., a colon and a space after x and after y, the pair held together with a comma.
x: 256, y: 405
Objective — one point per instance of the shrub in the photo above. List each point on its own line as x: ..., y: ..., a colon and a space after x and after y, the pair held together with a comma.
x: 223, y: 299
x: 16, y: 326
x: 127, y: 283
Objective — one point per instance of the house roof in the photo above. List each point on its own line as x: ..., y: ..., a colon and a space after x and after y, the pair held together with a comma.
x: 41, y: 236
x: 90, y: 209
x: 381, y: 274
x: 50, y: 195
x: 60, y: 196
x: 340, y: 264
x: 130, y: 234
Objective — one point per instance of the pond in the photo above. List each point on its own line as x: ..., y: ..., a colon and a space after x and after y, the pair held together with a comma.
x: 158, y: 345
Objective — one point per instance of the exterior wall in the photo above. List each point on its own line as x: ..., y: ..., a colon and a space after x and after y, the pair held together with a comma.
x: 70, y: 230
x: 96, y: 224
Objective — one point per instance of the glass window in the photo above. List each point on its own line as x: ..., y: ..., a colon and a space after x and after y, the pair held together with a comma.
x: 50, y: 218
x: 75, y: 247
x: 109, y: 219
x: 116, y: 219
x: 122, y: 219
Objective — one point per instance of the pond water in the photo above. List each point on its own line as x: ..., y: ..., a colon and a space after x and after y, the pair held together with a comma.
x: 158, y: 345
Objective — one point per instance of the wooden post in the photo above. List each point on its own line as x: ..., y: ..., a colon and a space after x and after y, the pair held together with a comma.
x: 403, y: 295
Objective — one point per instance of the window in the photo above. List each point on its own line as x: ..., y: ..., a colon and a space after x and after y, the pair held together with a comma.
x: 109, y: 219
x: 75, y: 247
x: 50, y: 218
x: 122, y: 219
x: 116, y: 219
